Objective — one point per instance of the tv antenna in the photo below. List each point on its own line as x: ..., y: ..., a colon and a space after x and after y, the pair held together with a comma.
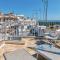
x: 45, y: 3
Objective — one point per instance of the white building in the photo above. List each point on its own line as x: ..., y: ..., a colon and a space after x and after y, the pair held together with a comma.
x: 12, y: 26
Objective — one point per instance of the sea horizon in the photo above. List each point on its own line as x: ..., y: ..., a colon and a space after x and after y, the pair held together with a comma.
x: 50, y: 20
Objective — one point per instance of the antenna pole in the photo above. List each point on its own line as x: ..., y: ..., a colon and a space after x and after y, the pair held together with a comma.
x: 45, y: 2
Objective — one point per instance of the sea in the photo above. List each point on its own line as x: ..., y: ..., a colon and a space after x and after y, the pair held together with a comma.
x: 53, y: 20
x: 50, y: 20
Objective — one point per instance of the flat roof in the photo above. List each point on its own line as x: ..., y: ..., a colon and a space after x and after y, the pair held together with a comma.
x: 49, y: 56
x: 20, y: 54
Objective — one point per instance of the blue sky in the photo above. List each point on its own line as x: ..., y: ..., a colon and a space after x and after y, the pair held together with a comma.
x: 28, y: 7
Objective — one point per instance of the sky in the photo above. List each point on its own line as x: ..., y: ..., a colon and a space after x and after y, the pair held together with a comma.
x: 29, y: 8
